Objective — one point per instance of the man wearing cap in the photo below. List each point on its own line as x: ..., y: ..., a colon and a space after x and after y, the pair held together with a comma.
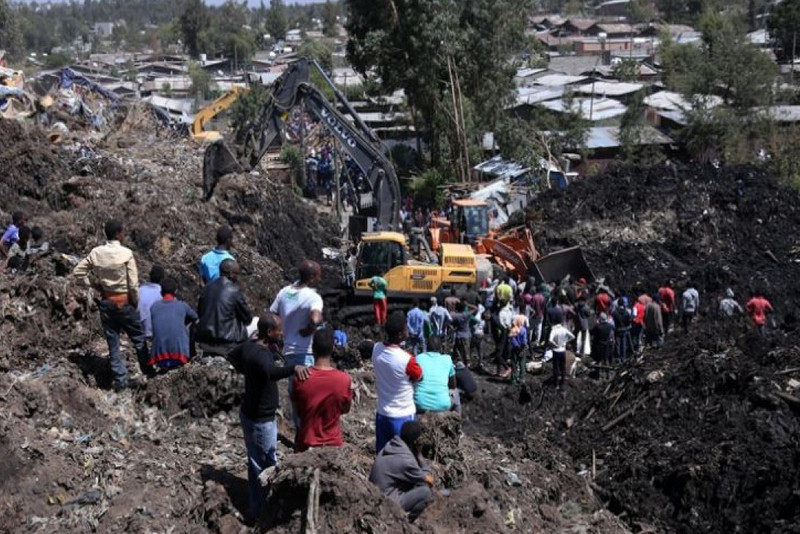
x: 401, y: 474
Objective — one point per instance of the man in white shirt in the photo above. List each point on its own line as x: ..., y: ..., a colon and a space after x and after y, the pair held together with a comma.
x: 559, y: 337
x: 395, y: 373
x: 439, y: 317
x: 300, y: 309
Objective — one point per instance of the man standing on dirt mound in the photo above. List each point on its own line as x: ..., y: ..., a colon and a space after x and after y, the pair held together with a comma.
x: 300, y: 308
x: 395, y: 373
x: 667, y: 295
x: 758, y: 307
x: 210, y: 262
x: 255, y: 359
x: 117, y: 280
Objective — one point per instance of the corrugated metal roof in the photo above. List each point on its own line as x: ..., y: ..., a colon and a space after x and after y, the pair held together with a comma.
x: 573, y: 65
x: 784, y: 114
x: 676, y: 116
x: 596, y: 109
x: 608, y: 137
x: 609, y: 88
x: 616, y: 28
x: 524, y: 73
x: 536, y: 94
x: 581, y: 24
x: 553, y: 80
x: 671, y: 101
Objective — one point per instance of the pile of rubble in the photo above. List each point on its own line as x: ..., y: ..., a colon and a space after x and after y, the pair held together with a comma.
x: 702, y: 434
x: 154, y: 187
x: 171, y: 457
x: 718, y: 228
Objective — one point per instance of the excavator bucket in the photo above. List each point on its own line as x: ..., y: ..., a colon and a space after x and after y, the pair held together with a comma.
x: 556, y: 266
x: 218, y: 160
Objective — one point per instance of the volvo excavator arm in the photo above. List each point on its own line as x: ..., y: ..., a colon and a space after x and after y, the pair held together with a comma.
x: 360, y: 142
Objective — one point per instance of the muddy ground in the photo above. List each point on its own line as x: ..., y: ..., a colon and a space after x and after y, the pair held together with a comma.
x: 170, y: 458
x: 700, y: 436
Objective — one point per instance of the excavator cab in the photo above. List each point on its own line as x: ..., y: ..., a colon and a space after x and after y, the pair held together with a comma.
x: 386, y: 254
x: 471, y: 218
x: 378, y: 257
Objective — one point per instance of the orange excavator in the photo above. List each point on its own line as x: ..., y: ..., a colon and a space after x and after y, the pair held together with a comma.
x: 512, y: 249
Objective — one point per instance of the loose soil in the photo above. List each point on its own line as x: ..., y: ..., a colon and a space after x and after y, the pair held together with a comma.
x: 700, y: 436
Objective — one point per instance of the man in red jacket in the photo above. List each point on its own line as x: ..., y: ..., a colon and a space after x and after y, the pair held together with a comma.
x: 758, y: 307
x: 667, y: 294
x: 637, y: 328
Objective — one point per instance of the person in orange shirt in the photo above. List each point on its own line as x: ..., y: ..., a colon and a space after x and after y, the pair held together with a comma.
x: 758, y: 307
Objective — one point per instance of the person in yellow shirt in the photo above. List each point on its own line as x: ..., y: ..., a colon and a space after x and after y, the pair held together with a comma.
x: 116, y: 278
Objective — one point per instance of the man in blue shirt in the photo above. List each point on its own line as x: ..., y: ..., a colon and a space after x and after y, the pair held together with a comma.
x: 416, y: 320
x: 209, y: 263
x: 11, y: 233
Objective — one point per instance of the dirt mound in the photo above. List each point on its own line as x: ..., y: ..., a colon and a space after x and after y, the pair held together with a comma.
x: 344, y: 499
x: 136, y: 121
x: 700, y: 437
x: 719, y: 228
x: 222, y: 387
x: 154, y: 188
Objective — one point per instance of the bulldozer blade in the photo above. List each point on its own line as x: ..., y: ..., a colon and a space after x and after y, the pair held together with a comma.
x: 218, y: 161
x: 556, y: 266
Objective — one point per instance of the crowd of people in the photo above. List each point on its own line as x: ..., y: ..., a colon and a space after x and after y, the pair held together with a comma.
x: 422, y: 365
x: 21, y: 245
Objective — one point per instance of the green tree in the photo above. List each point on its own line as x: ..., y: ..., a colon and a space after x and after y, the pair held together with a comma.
x: 321, y: 50
x: 455, y: 59
x: 642, y: 11
x: 631, y: 128
x: 201, y: 82
x: 784, y: 27
x: 193, y: 22
x: 330, y: 12
x: 276, y: 22
x: 627, y: 70
x: 10, y: 35
x: 727, y: 66
x: 247, y: 107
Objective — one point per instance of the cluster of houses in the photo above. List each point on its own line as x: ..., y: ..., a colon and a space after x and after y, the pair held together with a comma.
x: 596, y: 67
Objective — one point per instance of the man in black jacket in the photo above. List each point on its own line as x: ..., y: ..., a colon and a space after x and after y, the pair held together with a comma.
x: 256, y: 360
x: 225, y: 318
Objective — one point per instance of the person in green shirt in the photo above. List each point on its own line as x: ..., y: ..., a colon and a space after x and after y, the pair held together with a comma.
x: 379, y: 304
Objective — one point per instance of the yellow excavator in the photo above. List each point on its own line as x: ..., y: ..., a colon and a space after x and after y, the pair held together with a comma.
x: 384, y: 252
x: 216, y: 107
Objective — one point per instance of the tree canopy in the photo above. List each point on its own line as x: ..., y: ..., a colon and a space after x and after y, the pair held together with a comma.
x: 455, y: 59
